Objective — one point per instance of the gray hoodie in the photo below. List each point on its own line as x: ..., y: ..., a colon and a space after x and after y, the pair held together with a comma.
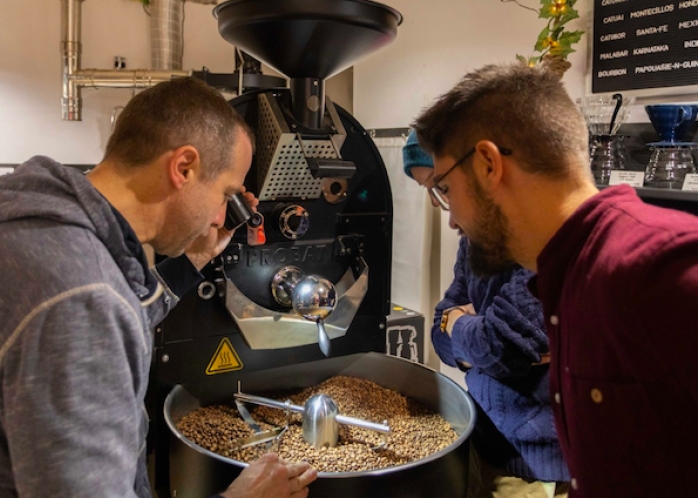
x: 76, y: 317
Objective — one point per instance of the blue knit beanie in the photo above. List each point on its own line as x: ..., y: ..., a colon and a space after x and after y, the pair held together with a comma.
x: 413, y: 155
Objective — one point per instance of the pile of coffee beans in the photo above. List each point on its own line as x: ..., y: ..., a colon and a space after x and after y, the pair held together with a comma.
x: 416, y: 432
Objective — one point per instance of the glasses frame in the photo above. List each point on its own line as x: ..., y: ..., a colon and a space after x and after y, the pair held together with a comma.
x: 436, y: 195
x: 438, y: 192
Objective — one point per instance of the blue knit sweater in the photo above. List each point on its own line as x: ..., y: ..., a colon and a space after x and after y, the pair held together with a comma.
x: 514, y: 430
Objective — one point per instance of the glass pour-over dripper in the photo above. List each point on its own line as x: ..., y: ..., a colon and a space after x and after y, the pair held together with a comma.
x: 604, y: 113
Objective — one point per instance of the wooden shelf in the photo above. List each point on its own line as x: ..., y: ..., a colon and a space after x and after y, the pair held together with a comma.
x: 683, y: 200
x: 663, y: 193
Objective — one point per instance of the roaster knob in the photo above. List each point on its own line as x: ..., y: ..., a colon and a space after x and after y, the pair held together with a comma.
x: 294, y: 221
x: 314, y: 298
x: 283, y: 284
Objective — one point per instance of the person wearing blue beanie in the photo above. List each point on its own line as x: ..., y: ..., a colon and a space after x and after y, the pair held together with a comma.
x: 414, y: 156
x: 419, y: 166
x: 493, y: 329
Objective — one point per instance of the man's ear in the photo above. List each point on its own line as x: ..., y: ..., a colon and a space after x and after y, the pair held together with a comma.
x: 490, y: 168
x: 183, y: 164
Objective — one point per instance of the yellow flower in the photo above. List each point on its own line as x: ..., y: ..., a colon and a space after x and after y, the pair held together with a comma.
x: 558, y: 9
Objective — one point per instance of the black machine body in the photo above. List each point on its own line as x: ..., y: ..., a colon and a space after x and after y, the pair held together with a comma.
x: 326, y: 209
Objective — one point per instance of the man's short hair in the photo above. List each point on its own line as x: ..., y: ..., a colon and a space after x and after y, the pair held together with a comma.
x: 521, y: 108
x: 169, y: 115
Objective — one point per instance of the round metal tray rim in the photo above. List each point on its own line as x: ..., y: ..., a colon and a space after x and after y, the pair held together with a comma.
x: 333, y: 475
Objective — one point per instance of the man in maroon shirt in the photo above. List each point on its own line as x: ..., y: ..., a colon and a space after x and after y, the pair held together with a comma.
x: 618, y: 279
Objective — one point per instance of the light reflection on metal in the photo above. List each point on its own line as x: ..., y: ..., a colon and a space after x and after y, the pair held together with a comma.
x: 263, y: 328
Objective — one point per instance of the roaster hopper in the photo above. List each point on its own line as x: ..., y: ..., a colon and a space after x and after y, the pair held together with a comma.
x: 327, y: 208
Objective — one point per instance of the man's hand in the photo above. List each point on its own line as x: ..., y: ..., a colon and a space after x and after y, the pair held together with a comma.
x: 205, y: 248
x: 271, y: 477
x: 455, y: 313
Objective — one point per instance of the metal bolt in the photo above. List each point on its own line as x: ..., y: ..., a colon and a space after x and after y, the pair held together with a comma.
x: 158, y: 330
x: 228, y: 258
x: 165, y: 358
x: 236, y: 257
x: 381, y: 326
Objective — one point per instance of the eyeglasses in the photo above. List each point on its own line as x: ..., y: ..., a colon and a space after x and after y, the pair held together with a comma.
x: 441, y: 194
x: 441, y: 201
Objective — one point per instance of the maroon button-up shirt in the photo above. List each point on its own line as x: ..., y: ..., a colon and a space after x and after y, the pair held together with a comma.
x: 619, y: 287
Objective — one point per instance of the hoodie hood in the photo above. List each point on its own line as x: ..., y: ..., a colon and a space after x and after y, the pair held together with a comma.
x: 42, y: 188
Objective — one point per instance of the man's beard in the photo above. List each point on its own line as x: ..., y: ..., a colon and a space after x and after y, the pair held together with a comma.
x: 488, y: 254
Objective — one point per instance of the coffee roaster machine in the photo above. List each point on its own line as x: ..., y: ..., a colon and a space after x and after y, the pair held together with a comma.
x: 326, y: 206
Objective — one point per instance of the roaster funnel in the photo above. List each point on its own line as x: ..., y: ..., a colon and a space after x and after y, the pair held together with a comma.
x: 307, y: 38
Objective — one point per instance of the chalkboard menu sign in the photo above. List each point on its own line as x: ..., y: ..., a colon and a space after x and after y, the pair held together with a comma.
x: 641, y: 44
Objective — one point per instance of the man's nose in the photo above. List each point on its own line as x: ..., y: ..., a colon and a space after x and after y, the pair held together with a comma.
x: 452, y: 223
x: 219, y: 220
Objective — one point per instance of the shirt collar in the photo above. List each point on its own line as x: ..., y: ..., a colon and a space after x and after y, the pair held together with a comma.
x: 136, y: 248
x: 567, y: 243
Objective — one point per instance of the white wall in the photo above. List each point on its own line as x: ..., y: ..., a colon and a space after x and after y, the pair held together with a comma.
x: 30, y: 72
x: 437, y: 43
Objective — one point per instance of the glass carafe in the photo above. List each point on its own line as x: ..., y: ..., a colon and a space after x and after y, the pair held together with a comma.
x: 668, y: 167
x: 607, y: 152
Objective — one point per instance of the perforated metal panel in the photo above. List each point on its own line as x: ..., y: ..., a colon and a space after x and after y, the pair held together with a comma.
x: 281, y: 164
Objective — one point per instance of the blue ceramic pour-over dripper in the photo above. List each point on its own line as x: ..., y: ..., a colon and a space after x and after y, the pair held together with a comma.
x: 671, y: 120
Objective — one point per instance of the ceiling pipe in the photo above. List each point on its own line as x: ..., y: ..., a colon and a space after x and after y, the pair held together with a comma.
x: 74, y: 78
x: 166, y: 38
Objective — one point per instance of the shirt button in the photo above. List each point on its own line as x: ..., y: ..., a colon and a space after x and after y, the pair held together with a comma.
x: 554, y: 320
x: 557, y: 398
x: 596, y: 395
x: 574, y: 483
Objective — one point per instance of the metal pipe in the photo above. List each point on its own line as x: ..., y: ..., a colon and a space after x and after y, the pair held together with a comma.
x: 71, y: 48
x: 138, y: 78
x: 166, y: 37
x: 308, y: 100
x: 74, y: 78
x: 280, y: 405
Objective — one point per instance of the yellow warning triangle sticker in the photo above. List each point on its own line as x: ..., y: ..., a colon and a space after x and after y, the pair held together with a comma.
x: 225, y: 359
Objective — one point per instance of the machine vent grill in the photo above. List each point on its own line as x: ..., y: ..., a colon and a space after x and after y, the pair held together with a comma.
x: 281, y: 165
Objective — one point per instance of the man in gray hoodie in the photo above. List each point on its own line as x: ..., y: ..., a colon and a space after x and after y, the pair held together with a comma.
x: 78, y: 302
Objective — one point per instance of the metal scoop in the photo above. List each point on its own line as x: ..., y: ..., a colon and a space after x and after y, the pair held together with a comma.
x: 321, y: 419
x: 314, y: 298
x: 268, y: 438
